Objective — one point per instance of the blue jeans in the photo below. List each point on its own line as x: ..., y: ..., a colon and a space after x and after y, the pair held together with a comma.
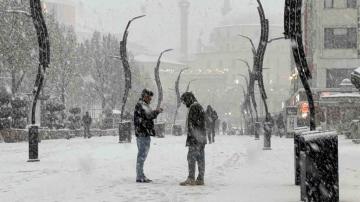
x: 143, y: 144
x: 195, y: 155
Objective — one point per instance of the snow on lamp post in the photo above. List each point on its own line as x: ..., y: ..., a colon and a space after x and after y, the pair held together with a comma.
x: 126, y: 66
x: 293, y: 31
x: 157, y: 78
x: 44, y: 61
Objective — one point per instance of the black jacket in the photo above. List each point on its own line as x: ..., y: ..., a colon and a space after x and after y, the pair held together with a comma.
x: 144, y: 119
x: 210, y: 118
x: 87, y: 120
x: 196, y: 125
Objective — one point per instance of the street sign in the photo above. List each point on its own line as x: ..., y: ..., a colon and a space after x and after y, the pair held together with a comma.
x: 291, y: 111
x: 291, y: 119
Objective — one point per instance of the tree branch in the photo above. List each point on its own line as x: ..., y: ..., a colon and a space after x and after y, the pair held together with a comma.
x: 115, y: 57
x: 276, y: 39
x: 17, y: 12
x: 252, y: 43
x: 20, y: 81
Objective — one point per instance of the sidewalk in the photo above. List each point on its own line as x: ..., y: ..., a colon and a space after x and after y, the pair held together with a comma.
x: 100, y: 169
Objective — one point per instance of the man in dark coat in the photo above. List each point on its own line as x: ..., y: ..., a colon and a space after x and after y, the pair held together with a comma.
x: 144, y: 128
x: 196, y: 139
x: 87, y: 122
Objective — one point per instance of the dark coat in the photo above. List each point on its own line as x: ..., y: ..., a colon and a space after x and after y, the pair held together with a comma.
x: 144, y: 119
x: 87, y: 120
x: 196, y: 125
x: 280, y: 122
x: 210, y: 118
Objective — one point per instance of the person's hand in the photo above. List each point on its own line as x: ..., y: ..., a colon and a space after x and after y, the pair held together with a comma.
x: 159, y: 110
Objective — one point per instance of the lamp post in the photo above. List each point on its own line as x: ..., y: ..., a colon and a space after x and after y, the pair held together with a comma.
x: 293, y: 31
x: 251, y: 99
x: 44, y: 61
x: 157, y: 78
x: 177, y: 92
x: 242, y: 106
x: 188, y: 86
x: 126, y: 66
x: 125, y: 127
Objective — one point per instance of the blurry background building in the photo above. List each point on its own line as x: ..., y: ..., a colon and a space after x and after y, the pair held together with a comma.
x: 331, y: 32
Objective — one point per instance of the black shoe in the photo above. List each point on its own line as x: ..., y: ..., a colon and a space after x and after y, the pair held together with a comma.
x: 188, y: 182
x: 144, y: 180
x: 199, y: 182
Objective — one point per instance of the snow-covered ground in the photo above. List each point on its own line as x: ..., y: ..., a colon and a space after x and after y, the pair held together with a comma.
x: 99, y: 169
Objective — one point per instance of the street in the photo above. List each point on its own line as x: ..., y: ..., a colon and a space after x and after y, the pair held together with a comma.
x: 100, y: 169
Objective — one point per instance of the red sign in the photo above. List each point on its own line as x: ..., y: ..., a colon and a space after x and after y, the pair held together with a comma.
x: 304, y: 107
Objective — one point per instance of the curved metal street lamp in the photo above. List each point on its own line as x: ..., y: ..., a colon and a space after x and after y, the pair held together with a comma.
x: 126, y: 66
x: 157, y: 78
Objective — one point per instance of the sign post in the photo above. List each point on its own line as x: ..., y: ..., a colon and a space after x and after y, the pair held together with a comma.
x: 291, y: 121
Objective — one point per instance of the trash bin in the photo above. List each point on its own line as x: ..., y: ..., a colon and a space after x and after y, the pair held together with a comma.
x: 320, y: 173
x: 297, y: 149
x: 176, y: 130
x: 125, y: 132
x: 159, y: 130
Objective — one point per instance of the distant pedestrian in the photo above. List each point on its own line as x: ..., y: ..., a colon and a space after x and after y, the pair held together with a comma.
x: 280, y: 124
x: 144, y: 128
x: 196, y: 139
x: 224, y: 127
x: 211, y: 118
x: 217, y: 126
x: 87, y: 120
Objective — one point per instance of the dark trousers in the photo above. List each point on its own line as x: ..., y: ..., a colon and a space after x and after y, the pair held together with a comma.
x: 211, y: 134
x: 143, y: 145
x: 196, y: 154
x: 87, y: 131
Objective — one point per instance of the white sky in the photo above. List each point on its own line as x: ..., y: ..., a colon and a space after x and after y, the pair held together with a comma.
x: 160, y: 29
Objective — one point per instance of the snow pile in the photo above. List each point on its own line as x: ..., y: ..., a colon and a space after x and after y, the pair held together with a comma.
x: 100, y: 169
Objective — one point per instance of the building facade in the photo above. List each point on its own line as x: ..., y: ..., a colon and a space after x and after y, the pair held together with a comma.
x: 63, y: 11
x: 331, y: 39
x: 223, y: 55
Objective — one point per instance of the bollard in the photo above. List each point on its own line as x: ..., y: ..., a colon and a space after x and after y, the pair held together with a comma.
x: 302, y: 178
x: 176, y: 130
x: 267, y: 136
x: 33, y: 144
x: 297, y: 149
x: 125, y: 132
x: 321, y: 174
x: 257, y: 130
x: 159, y: 130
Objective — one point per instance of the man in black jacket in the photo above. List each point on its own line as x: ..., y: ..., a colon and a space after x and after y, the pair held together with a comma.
x: 144, y: 128
x: 196, y: 139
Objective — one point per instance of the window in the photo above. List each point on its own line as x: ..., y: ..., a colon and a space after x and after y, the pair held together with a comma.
x: 328, y: 3
x: 340, y: 38
x: 351, y: 3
